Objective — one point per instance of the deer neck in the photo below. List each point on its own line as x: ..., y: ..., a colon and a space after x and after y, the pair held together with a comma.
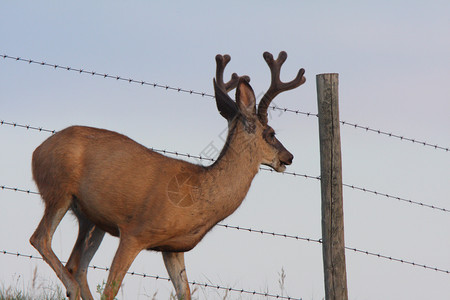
x: 232, y: 174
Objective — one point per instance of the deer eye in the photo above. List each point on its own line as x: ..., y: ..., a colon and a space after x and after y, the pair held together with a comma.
x: 270, y: 136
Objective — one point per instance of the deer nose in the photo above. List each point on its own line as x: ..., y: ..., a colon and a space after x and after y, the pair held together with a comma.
x: 288, y: 160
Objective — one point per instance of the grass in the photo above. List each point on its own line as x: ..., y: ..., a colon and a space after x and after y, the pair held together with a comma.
x: 42, y: 289
x: 37, y: 289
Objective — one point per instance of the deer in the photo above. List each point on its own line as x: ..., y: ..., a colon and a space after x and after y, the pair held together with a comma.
x: 115, y: 185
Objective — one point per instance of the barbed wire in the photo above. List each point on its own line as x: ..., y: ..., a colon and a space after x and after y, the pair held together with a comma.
x: 398, y: 260
x: 400, y: 137
x: 130, y: 80
x: 157, y: 277
x: 175, y: 153
x: 280, y: 235
x: 295, y: 174
x: 284, y: 235
x: 204, y: 94
x: 319, y: 241
x: 105, y: 75
x: 3, y: 187
x: 396, y: 198
x: 269, y: 233
x: 27, y: 127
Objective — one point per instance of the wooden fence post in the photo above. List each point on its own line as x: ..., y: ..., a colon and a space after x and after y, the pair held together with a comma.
x: 333, y: 246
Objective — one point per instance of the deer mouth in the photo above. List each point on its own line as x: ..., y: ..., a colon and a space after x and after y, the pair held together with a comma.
x: 283, y: 162
x: 281, y: 168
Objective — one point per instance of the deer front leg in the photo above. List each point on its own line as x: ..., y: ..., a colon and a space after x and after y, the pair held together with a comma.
x: 174, y: 262
x: 125, y: 255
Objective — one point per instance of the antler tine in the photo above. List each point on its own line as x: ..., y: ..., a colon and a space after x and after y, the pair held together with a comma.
x: 277, y: 86
x: 222, y: 61
x: 226, y: 106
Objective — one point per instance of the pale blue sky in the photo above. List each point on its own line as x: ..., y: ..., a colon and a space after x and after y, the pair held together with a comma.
x: 394, y: 66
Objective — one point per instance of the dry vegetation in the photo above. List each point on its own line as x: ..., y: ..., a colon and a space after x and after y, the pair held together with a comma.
x: 42, y: 289
x: 38, y: 289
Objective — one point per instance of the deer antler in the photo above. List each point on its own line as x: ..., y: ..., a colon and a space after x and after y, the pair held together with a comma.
x: 277, y: 86
x: 225, y: 105
x: 222, y: 62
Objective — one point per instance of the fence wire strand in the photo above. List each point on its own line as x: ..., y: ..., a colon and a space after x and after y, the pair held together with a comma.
x: 288, y: 236
x: 369, y: 253
x: 266, y: 169
x: 163, y: 151
x: 13, y: 124
x: 396, y: 198
x: 204, y: 94
x: 397, y: 136
x: 105, y: 75
x: 140, y: 82
x: 7, y: 188
x: 157, y: 277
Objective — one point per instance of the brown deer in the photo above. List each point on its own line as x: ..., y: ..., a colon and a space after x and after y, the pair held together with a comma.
x: 150, y: 201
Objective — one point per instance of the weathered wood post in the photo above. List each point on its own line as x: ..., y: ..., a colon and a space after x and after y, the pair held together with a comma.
x: 333, y: 245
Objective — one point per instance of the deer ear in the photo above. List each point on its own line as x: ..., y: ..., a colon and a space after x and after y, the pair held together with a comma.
x: 226, y: 107
x: 245, y: 98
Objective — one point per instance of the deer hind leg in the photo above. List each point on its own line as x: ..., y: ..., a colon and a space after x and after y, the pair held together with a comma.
x: 128, y: 249
x: 42, y: 241
x: 174, y: 262
x: 88, y: 241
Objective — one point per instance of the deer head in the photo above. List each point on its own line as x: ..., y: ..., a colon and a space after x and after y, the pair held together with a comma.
x: 244, y: 112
